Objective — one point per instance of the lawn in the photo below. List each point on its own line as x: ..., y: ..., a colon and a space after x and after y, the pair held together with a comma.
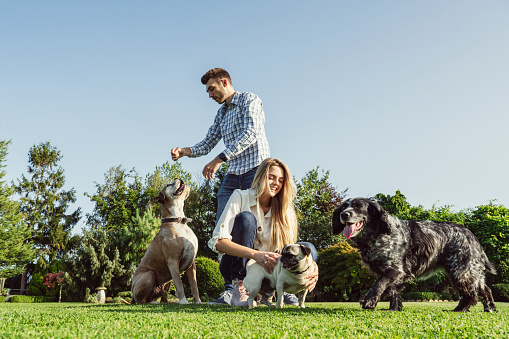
x: 318, y: 320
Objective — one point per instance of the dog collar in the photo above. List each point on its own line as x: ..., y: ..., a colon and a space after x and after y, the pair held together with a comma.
x: 179, y: 220
x: 301, y: 272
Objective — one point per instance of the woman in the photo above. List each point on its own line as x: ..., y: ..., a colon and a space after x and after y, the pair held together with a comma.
x: 255, y: 224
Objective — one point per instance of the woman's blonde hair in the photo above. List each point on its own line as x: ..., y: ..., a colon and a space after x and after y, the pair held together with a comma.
x: 283, y: 218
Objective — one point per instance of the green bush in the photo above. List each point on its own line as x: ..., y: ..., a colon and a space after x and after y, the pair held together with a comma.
x: 2, y: 299
x: 91, y: 299
x: 342, y: 275
x: 426, y: 296
x: 36, y: 286
x: 113, y: 300
x: 126, y: 294
x: 31, y: 299
x: 490, y: 224
x: 209, y: 278
x: 500, y: 292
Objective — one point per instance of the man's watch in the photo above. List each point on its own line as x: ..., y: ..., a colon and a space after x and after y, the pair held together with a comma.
x: 222, y: 156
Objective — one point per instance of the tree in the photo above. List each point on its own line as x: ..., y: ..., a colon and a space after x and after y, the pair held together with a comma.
x: 138, y: 235
x: 490, y: 224
x: 16, y: 250
x: 96, y: 263
x: 117, y: 200
x: 315, y: 202
x: 52, y: 280
x: 44, y: 203
x: 397, y: 206
x: 105, y: 245
x: 201, y: 206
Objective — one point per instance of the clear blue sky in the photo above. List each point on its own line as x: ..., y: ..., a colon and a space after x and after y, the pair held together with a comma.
x: 386, y: 95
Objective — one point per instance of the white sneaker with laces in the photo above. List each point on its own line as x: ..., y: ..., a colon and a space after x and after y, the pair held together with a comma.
x: 240, y: 294
x: 224, y: 299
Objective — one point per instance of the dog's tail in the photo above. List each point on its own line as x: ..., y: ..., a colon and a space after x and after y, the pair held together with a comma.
x: 490, y: 267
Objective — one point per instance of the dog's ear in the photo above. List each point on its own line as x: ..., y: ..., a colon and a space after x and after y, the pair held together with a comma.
x: 381, y: 218
x: 306, y: 250
x: 160, y: 198
x: 337, y: 226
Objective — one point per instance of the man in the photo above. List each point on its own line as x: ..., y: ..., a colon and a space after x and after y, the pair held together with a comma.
x: 240, y: 123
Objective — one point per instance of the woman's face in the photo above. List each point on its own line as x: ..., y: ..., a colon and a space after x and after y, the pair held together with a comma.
x: 275, y: 180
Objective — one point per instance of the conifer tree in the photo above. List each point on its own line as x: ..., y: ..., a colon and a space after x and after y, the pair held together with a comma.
x: 96, y: 263
x: 16, y: 250
x: 44, y: 203
x: 138, y: 235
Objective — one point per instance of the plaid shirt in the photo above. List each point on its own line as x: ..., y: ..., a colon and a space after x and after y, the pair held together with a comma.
x: 240, y: 124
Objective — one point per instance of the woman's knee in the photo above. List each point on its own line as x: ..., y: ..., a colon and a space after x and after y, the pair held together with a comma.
x: 245, y: 219
x: 244, y: 229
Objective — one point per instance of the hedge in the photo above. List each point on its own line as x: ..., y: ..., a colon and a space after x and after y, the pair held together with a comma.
x: 426, y: 296
x: 500, y: 292
x: 31, y: 299
x: 2, y: 299
x: 125, y: 294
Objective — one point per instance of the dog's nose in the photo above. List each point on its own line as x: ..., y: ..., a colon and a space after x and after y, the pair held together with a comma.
x: 346, y: 214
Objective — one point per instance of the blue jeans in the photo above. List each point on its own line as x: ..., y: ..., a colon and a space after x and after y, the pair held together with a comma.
x: 244, y: 233
x: 230, y: 183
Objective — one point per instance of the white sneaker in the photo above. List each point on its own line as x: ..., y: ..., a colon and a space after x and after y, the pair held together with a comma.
x: 240, y: 294
x: 224, y: 299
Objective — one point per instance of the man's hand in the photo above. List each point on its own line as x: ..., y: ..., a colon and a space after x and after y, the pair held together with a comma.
x: 177, y: 153
x: 211, y: 168
x: 312, y: 279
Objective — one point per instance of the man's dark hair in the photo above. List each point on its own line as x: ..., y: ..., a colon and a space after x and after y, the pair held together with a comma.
x: 215, y: 73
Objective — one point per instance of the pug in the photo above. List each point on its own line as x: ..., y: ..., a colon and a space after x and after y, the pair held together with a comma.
x: 294, y: 264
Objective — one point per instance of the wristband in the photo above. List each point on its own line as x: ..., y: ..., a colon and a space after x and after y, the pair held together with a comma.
x: 222, y: 156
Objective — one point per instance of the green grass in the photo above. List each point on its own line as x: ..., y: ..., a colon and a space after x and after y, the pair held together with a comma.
x: 318, y: 320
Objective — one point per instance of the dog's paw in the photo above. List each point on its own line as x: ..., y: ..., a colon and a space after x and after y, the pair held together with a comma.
x: 369, y: 304
x: 251, y: 302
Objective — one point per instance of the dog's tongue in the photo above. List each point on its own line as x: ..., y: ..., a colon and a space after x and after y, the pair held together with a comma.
x: 350, y: 228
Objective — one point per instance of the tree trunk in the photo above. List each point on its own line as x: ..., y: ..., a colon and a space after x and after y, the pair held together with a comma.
x: 23, y: 285
x: 60, y: 294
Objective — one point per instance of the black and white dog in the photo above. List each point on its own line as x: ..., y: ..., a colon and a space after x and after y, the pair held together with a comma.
x: 398, y: 250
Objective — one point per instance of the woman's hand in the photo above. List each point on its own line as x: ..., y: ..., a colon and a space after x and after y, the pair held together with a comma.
x: 267, y: 260
x: 312, y: 278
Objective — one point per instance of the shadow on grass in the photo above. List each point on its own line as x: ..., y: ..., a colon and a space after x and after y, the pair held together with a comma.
x: 323, y: 308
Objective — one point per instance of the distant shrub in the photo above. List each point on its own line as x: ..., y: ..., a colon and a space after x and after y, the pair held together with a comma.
x: 500, y: 292
x: 31, y: 299
x: 2, y: 299
x: 36, y: 286
x: 125, y: 294
x: 210, y: 280
x: 426, y: 296
x: 113, y: 300
x: 91, y: 298
x: 342, y: 275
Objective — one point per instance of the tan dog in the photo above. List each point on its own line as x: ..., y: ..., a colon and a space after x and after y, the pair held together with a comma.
x: 288, y: 275
x: 171, y: 252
